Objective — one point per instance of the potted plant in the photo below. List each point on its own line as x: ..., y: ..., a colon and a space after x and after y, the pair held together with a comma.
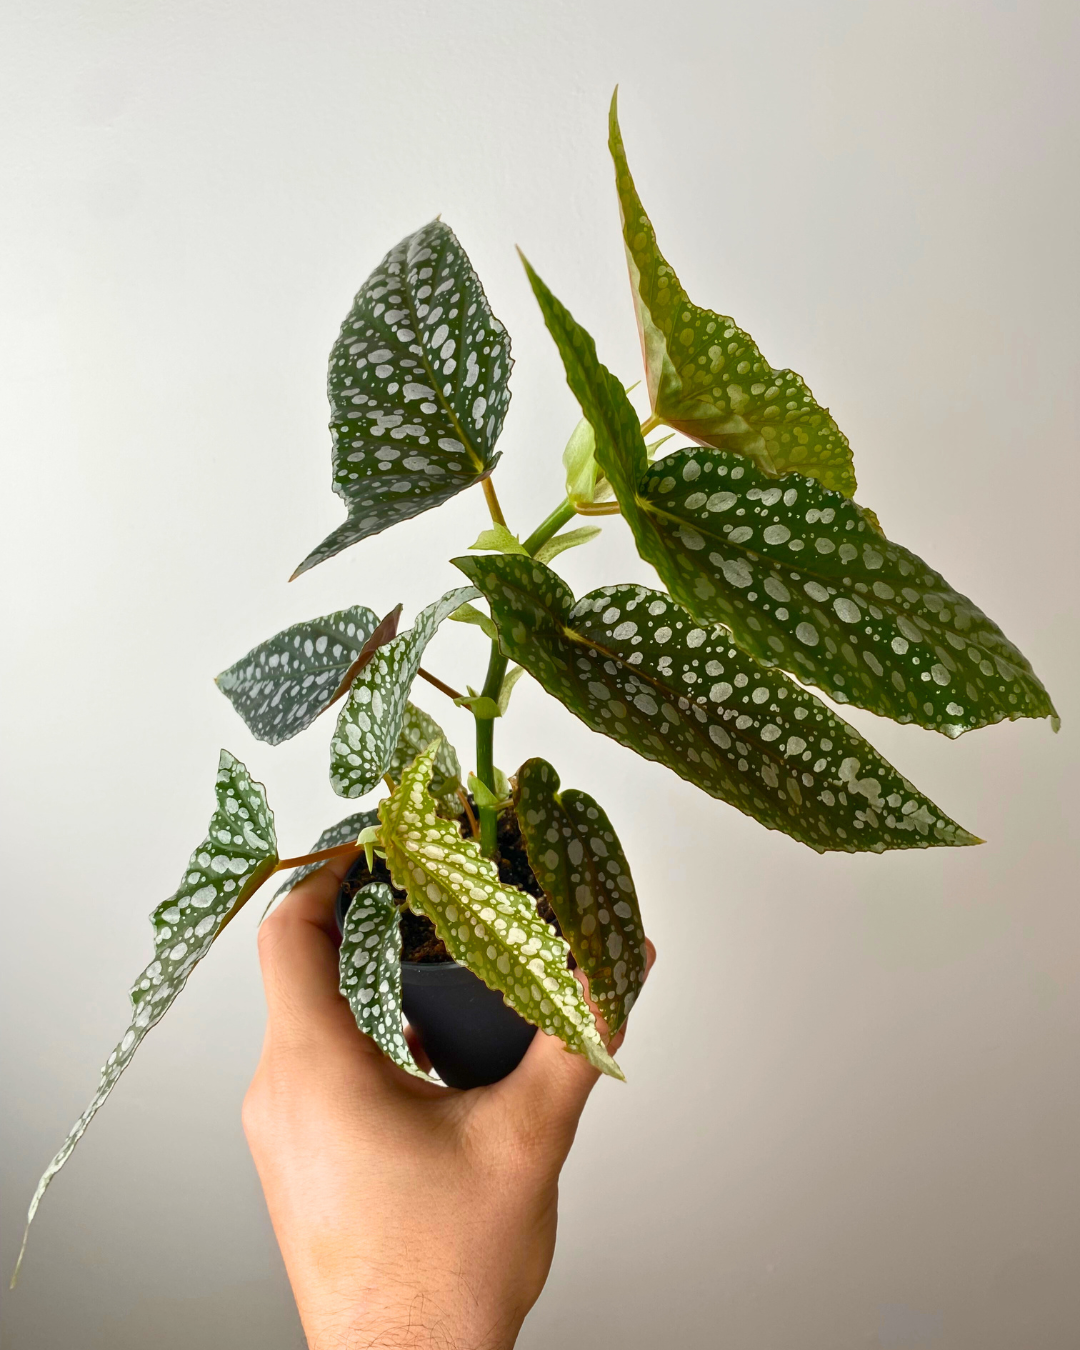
x: 472, y: 900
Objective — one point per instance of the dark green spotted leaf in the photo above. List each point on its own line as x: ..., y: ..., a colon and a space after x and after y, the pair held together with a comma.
x: 632, y: 663
x: 370, y: 721
x: 578, y: 860
x: 418, y: 731
x: 283, y: 684
x: 344, y: 832
x: 804, y: 583
x: 796, y: 571
x: 238, y: 853
x: 491, y: 928
x: 706, y: 376
x: 418, y: 388
x: 369, y: 963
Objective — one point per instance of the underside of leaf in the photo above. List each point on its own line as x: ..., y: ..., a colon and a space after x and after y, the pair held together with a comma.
x: 418, y: 388
x: 706, y: 376
x: 577, y: 858
x: 633, y: 664
x: 489, y: 927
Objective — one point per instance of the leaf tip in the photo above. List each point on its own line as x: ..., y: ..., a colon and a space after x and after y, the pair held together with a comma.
x: 600, y: 1059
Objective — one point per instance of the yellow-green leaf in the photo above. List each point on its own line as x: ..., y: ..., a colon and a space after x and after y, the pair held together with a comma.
x: 706, y: 376
x: 797, y: 573
x: 491, y: 928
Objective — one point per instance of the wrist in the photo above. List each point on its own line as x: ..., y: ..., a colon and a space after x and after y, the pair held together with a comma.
x: 416, y: 1319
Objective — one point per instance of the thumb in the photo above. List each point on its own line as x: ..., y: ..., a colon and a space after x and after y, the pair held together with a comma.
x: 298, y: 953
x: 553, y: 1083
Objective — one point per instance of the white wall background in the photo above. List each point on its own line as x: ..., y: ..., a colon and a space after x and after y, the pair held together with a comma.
x: 853, y: 1105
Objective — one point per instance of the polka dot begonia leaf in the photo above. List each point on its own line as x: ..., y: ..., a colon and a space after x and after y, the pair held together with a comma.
x: 344, y: 832
x: 238, y: 853
x: 804, y: 583
x: 283, y: 684
x: 633, y: 664
x: 370, y: 722
x: 706, y: 376
x: 492, y: 928
x: 797, y: 573
x: 369, y: 963
x: 418, y: 731
x: 418, y: 387
x: 576, y: 857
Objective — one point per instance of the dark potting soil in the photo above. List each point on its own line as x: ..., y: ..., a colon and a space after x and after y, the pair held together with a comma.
x: 419, y: 940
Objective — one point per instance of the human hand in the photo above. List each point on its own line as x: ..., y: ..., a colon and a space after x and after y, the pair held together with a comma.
x: 407, y: 1214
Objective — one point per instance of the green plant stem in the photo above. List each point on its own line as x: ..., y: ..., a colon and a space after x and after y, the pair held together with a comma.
x: 492, y: 500
x: 485, y: 749
x: 496, y: 671
x: 650, y: 424
x: 550, y: 526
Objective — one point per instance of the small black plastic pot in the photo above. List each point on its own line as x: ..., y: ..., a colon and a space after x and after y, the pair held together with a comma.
x: 470, y: 1035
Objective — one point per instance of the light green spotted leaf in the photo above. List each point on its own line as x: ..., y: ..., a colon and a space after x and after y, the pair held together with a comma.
x: 510, y: 679
x: 238, y: 853
x: 369, y: 966
x: 369, y: 724
x: 805, y: 583
x: 497, y: 539
x: 559, y: 543
x: 579, y: 462
x: 491, y: 928
x: 632, y: 663
x: 797, y: 572
x: 470, y: 614
x: 283, y: 684
x: 344, y: 832
x: 707, y: 378
x: 576, y: 857
x: 418, y: 388
x: 418, y: 731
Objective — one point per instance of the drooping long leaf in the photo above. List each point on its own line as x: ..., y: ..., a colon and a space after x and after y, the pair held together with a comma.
x: 239, y: 851
x: 578, y: 860
x: 707, y: 377
x: 418, y: 731
x: 344, y: 832
x: 491, y: 928
x: 370, y: 721
x: 418, y: 388
x: 796, y: 572
x: 370, y: 971
x: 283, y: 684
x: 632, y: 663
